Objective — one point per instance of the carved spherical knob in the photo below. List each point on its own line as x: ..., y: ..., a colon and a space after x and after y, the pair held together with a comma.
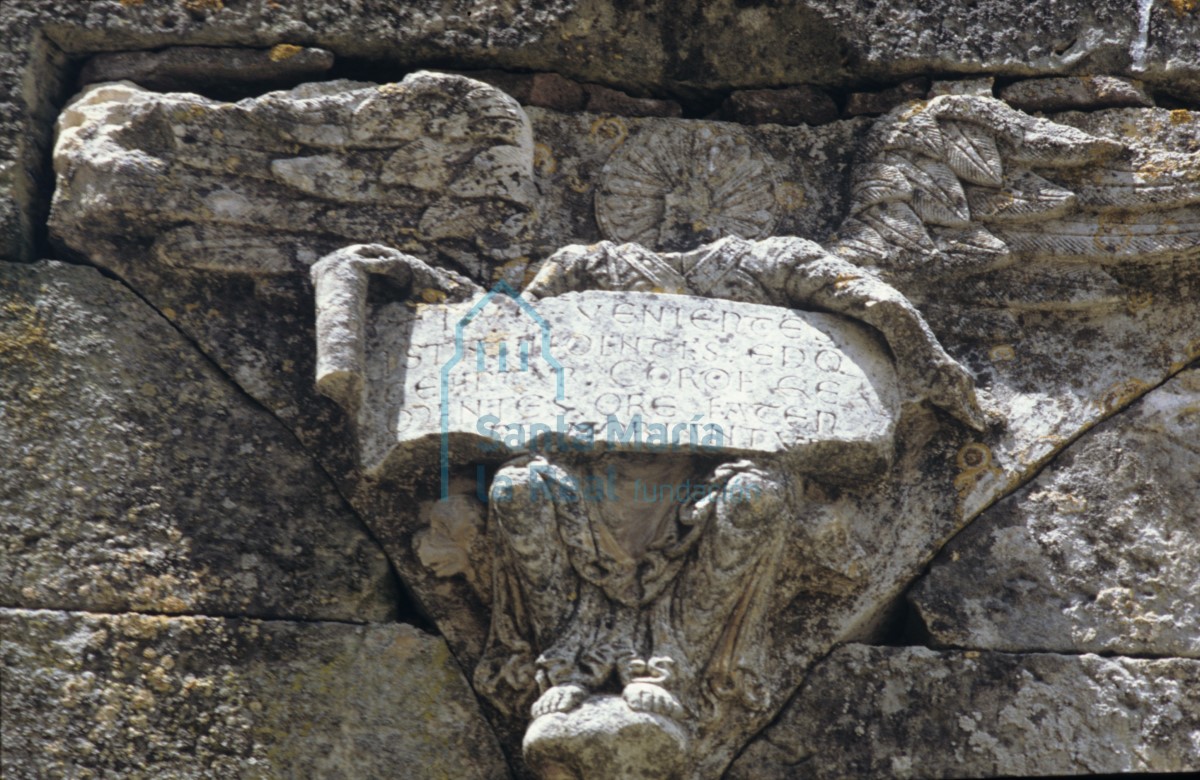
x: 603, y: 738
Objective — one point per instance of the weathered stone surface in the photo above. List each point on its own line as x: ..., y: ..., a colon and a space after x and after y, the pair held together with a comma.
x: 191, y: 68
x: 1054, y: 345
x: 821, y: 389
x: 874, y: 103
x: 682, y: 46
x: 802, y: 105
x: 603, y: 100
x: 14, y: 229
x: 703, y: 550
x: 33, y: 76
x: 911, y: 712
x: 265, y: 199
x: 790, y: 177
x: 605, y: 739
x: 1076, y: 93
x: 981, y: 87
x: 545, y: 90
x: 684, y: 42
x: 145, y: 696
x: 135, y: 477
x: 438, y: 164
x: 1154, y: 42
x: 553, y: 91
x: 1061, y: 325
x: 1100, y: 554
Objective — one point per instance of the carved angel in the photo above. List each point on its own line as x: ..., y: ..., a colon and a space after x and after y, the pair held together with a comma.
x: 583, y: 593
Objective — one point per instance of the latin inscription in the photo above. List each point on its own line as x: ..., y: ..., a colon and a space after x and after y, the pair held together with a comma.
x: 675, y: 370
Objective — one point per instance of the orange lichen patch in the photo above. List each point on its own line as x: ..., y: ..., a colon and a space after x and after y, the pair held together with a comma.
x: 430, y: 295
x: 1002, y: 352
x: 543, y: 159
x: 514, y: 272
x: 203, y: 5
x: 1041, y: 449
x: 843, y: 281
x: 1121, y: 394
x: 975, y: 464
x: 790, y: 196
x: 577, y: 184
x: 1184, y: 7
x: 1181, y: 115
x: 609, y: 128
x: 1139, y: 301
x: 23, y: 336
x: 283, y: 51
x: 1113, y: 233
x: 974, y: 456
x: 1177, y: 167
x: 128, y: 3
x: 1190, y: 353
x: 915, y: 107
x: 188, y: 113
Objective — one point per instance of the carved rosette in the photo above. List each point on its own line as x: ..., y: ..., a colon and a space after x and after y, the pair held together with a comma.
x: 676, y: 187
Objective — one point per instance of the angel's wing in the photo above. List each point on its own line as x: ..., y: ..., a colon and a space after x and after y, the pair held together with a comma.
x: 963, y: 185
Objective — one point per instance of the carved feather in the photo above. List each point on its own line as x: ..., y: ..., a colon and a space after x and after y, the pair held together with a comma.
x: 912, y: 129
x: 861, y: 244
x: 898, y: 225
x: 878, y: 183
x: 938, y: 198
x: 1047, y: 288
x: 1027, y: 140
x: 1048, y: 145
x: 971, y: 248
x: 1150, y: 181
x: 1024, y: 197
x: 975, y: 206
x: 972, y: 153
x: 1108, y: 237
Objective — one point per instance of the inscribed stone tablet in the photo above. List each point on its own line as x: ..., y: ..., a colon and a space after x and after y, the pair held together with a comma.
x: 626, y: 371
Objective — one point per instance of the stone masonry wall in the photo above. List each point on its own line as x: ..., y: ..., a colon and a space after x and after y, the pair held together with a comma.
x: 193, y: 584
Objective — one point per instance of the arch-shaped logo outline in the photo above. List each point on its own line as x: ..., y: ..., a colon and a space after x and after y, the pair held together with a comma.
x: 500, y: 287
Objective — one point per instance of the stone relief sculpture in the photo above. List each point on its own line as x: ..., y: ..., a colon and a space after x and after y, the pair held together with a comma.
x: 665, y: 602
x: 967, y: 184
x: 622, y: 636
x: 663, y: 598
x: 674, y: 187
x: 434, y: 165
